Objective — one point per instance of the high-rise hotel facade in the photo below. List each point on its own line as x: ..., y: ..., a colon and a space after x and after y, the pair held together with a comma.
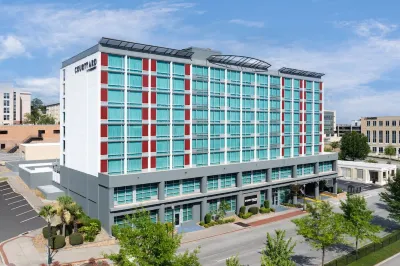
x: 179, y: 131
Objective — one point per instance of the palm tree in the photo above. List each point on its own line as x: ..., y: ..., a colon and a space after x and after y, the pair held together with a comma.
x: 64, y: 203
x: 76, y: 212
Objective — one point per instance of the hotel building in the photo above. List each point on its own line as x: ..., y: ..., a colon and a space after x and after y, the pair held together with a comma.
x: 179, y: 131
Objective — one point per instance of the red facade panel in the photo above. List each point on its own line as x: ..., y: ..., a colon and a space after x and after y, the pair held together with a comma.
x: 187, y: 115
x: 187, y: 69
x: 103, y: 148
x: 104, y: 77
x: 153, y: 65
x: 283, y: 140
x: 320, y: 86
x: 187, y: 84
x: 320, y: 106
x: 187, y: 99
x: 283, y: 105
x: 153, y: 145
x: 145, y: 97
x: 320, y: 96
x: 145, y: 114
x: 145, y: 146
x: 145, y: 64
x: 104, y: 131
x: 103, y: 166
x: 320, y: 138
x: 145, y: 81
x: 301, y: 128
x: 187, y: 159
x: 153, y: 81
x: 283, y: 152
x: 153, y: 130
x: 320, y: 127
x: 187, y: 144
x: 104, y: 112
x: 283, y: 116
x: 145, y: 161
x: 283, y: 92
x: 283, y: 128
x: 153, y: 97
x: 153, y: 114
x: 104, y: 95
x: 153, y: 162
x: 304, y: 83
x: 104, y: 59
x: 145, y: 130
x: 320, y: 148
x: 301, y: 106
x: 320, y: 117
x: 187, y: 129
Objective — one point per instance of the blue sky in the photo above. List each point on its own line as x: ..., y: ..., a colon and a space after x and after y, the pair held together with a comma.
x: 356, y: 43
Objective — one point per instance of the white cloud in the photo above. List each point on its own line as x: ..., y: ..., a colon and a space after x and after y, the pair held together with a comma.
x: 45, y: 88
x: 247, y: 23
x: 368, y: 28
x: 10, y: 46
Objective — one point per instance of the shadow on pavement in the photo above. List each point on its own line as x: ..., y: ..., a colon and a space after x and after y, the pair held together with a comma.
x: 342, y: 248
x: 381, y: 206
x: 388, y: 224
x: 303, y: 260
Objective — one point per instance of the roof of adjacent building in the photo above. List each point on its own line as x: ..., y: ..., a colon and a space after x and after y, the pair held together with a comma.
x: 209, y: 55
x: 53, y: 104
x: 364, y: 165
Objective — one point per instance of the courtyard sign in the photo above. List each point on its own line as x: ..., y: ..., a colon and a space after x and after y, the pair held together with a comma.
x: 250, y: 200
x: 88, y: 66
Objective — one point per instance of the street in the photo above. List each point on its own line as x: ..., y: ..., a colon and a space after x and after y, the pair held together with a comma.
x: 248, y: 243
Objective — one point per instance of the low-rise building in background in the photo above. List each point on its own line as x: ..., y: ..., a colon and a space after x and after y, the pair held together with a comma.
x: 53, y: 110
x: 342, y: 129
x: 13, y: 106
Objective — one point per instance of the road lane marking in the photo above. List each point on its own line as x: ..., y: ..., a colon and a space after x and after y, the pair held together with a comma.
x: 19, y: 206
x: 8, y: 193
x: 14, y: 197
x: 24, y: 212
x: 29, y: 219
x: 5, y: 189
x: 16, y: 201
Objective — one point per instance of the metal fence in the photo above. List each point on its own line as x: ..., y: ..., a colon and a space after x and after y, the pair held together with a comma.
x: 365, y: 250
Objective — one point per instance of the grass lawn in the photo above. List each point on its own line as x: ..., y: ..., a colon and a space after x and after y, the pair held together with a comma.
x: 3, y: 178
x: 378, y: 256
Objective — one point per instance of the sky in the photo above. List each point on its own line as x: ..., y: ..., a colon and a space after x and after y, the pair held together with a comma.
x: 356, y: 43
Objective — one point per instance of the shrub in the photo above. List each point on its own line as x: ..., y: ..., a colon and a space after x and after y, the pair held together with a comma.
x: 92, y: 261
x: 266, y: 204
x: 339, y: 190
x: 87, y: 222
x: 57, y: 242
x: 207, y: 219
x: 114, y: 229
x: 253, y: 210
x: 220, y: 221
x: 272, y: 209
x: 76, y: 239
x: 201, y: 223
x: 264, y: 210
x: 247, y: 215
x: 242, y: 210
x: 90, y: 231
x: 229, y: 220
x: 45, y: 231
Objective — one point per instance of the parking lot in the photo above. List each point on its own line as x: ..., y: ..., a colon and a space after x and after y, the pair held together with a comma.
x: 16, y: 215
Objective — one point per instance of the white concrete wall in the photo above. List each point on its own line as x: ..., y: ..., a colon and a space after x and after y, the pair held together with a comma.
x: 41, y: 151
x: 82, y: 117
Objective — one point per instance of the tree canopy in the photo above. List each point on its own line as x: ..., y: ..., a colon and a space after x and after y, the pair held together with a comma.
x: 353, y: 146
x: 389, y: 151
x: 37, y: 115
x: 278, y: 251
x: 392, y: 197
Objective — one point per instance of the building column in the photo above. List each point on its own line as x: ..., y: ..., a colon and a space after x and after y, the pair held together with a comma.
x: 269, y: 174
x: 316, y: 190
x: 161, y: 213
x: 161, y: 190
x: 203, y: 184
x: 334, y: 166
x: 334, y: 181
x: 380, y: 177
x: 239, y: 201
x: 239, y: 180
x: 269, y: 195
x: 294, y: 199
x: 203, y: 208
x: 316, y: 168
x: 294, y: 171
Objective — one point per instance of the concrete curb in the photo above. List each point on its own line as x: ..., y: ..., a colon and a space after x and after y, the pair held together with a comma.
x: 2, y: 253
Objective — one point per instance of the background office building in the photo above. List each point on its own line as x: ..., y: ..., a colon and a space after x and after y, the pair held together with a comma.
x: 342, y: 129
x: 13, y: 106
x: 179, y: 131
x: 381, y: 132
x: 53, y: 110
x: 329, y: 123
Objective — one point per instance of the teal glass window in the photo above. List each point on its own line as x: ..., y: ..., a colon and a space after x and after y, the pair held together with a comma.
x: 233, y: 129
x: 248, y: 78
x: 231, y: 203
x: 309, y: 139
x: 285, y: 172
x: 259, y: 176
x: 275, y: 104
x: 178, y: 130
x: 134, y: 114
x: 316, y: 106
x: 217, y: 130
x: 274, y: 140
x: 213, y: 205
x: 115, y: 62
x: 217, y: 88
x: 169, y: 213
x: 247, y: 90
x: 187, y: 212
x: 116, y: 132
x: 247, y: 156
x: 146, y: 192
x: 134, y: 131
x: 316, y: 128
x: 296, y: 118
x: 123, y: 195
x: 309, y: 118
x: 135, y: 81
x: 217, y: 74
x: 115, y: 80
x: 296, y: 106
x: 288, y: 105
x: 233, y: 89
x: 178, y: 100
x: 115, y: 149
x: 316, y: 96
x: 275, y: 80
x: 274, y: 128
x: 172, y: 188
x: 198, y: 85
x: 262, y: 92
x: 234, y: 103
x: 217, y: 102
x: 163, y: 68
x: 162, y: 162
x: 200, y: 129
x: 274, y: 92
x: 275, y: 174
x: 191, y: 186
x: 115, y: 167
x: 177, y: 161
x: 288, y: 94
x: 316, y: 149
x: 163, y: 99
x: 309, y: 84
x: 234, y: 116
x: 309, y: 106
x: 135, y: 98
x: 296, y: 128
x: 296, y: 140
x: 228, y: 180
x: 178, y: 69
x: 288, y: 117
x: 296, y: 83
x: 309, y: 96
x: 212, y: 183
x: 308, y: 128
x: 234, y: 143
x: 262, y: 104
x: 262, y: 154
x: 273, y: 153
x: 162, y: 130
x: 200, y: 159
x: 308, y: 150
x: 200, y: 71
x: 178, y: 115
x: 217, y: 158
x: 162, y: 146
x: 199, y: 100
x: 178, y: 145
x: 217, y: 144
x: 288, y: 83
x: 200, y: 143
x: 162, y: 83
x: 248, y: 129
x: 248, y: 142
x: 178, y: 84
x: 262, y: 129
x: 262, y: 80
x: 233, y: 76
x: 134, y: 148
x: 162, y: 115
x: 233, y: 156
x: 248, y: 116
x: 247, y: 103
x: 135, y: 64
x: 200, y: 115
x: 286, y: 152
x: 296, y: 95
x: 217, y: 116
x: 246, y: 178
x: 325, y: 166
x: 262, y: 142
x: 134, y: 165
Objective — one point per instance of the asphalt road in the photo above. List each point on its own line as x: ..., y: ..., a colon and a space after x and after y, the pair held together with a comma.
x: 394, y: 261
x: 248, y: 243
x: 16, y: 215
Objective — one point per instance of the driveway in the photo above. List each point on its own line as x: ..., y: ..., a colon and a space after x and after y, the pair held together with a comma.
x: 343, y: 184
x: 17, y: 215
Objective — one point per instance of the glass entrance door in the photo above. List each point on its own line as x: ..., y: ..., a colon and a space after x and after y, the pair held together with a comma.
x: 275, y: 196
x: 176, y: 218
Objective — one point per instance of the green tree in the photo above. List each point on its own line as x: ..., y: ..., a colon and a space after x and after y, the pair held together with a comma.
x: 353, y: 146
x: 358, y: 219
x: 278, y: 251
x: 63, y: 205
x: 76, y: 212
x: 233, y: 261
x: 48, y: 212
x: 145, y: 243
x: 223, y: 208
x: 334, y: 144
x: 322, y: 228
x: 37, y: 105
x: 46, y: 120
x: 392, y: 197
x: 390, y: 151
x: 37, y: 114
x: 327, y: 149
